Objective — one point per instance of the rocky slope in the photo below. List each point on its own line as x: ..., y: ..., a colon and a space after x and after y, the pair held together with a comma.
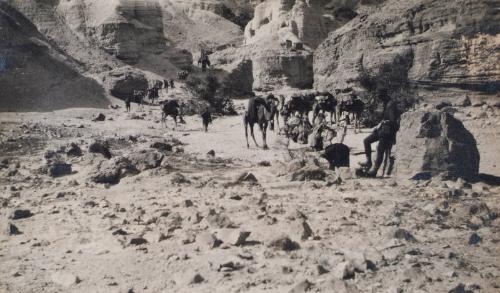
x: 35, y: 75
x: 281, y: 38
x: 451, y: 45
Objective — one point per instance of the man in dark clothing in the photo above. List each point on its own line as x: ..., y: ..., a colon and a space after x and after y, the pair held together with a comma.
x: 385, y: 134
x: 171, y: 83
x: 206, y: 117
x: 128, y: 100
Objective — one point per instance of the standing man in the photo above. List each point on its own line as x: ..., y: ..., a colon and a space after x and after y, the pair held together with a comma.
x: 128, y: 100
x: 206, y: 117
x: 385, y: 134
x: 172, y: 83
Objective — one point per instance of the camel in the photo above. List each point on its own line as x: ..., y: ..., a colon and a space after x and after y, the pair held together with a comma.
x: 353, y: 106
x: 258, y: 112
x: 301, y: 104
x: 170, y: 108
x: 328, y: 103
x: 273, y: 104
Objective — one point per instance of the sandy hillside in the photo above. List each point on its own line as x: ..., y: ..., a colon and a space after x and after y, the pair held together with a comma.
x: 182, y: 222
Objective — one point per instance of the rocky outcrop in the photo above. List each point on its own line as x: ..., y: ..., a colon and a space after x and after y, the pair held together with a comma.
x: 123, y: 81
x: 450, y: 45
x: 433, y: 142
x: 35, y: 75
x: 155, y: 35
x: 281, y: 38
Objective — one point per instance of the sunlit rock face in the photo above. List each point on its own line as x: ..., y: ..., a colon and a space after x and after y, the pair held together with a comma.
x: 449, y: 44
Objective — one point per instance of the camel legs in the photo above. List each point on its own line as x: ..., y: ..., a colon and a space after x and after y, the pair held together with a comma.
x: 245, y: 122
x: 263, y: 129
x: 253, y: 136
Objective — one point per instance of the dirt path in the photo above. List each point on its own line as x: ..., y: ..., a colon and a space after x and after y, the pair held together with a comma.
x: 189, y: 226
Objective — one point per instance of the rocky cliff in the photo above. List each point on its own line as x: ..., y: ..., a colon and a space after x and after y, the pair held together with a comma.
x: 452, y: 46
x: 281, y: 38
x: 155, y: 35
x: 35, y: 75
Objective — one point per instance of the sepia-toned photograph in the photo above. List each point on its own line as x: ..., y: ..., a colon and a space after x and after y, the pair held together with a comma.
x: 206, y: 146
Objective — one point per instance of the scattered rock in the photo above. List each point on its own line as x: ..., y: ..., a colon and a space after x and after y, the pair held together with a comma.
x: 463, y: 102
x: 211, y: 153
x: 59, y: 169
x: 443, y: 105
x: 344, y: 271
x: 264, y: 164
x: 460, y: 288
x: 404, y: 235
x: 100, y: 148
x: 146, y: 159
x: 475, y: 239
x: 219, y: 220
x: 246, y: 177
x: 110, y: 172
x: 179, y: 178
x: 232, y: 236
x: 188, y: 203
x: 284, y: 243
x: 207, y: 239
x: 21, y: 214
x: 73, y: 150
x: 197, y: 279
x: 161, y: 146
x: 301, y: 287
x: 65, y: 279
x: 154, y: 237
x: 308, y: 173
x: 12, y: 230
x: 99, y: 117
x: 137, y: 241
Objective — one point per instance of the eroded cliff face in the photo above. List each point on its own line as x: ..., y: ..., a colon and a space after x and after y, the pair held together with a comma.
x: 281, y: 38
x: 156, y: 35
x: 451, y: 45
x: 35, y: 75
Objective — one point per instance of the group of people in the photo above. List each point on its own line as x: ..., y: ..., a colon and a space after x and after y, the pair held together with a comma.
x: 153, y: 93
x: 319, y: 134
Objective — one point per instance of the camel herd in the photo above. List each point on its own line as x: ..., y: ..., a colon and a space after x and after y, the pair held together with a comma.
x: 264, y: 111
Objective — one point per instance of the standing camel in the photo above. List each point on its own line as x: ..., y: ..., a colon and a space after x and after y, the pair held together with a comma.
x: 258, y: 112
x: 354, y: 106
x: 327, y: 103
x: 170, y: 108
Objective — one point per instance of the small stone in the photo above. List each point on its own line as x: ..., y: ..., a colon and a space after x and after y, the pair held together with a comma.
x: 474, y: 239
x: 232, y: 236
x: 197, y: 279
x: 322, y: 270
x: 65, y: 279
x: 138, y: 241
x: 162, y: 146
x: 246, y: 177
x: 284, y: 243
x: 301, y: 287
x: 154, y: 237
x: 13, y: 230
x: 59, y: 169
x: 100, y: 148
x: 21, y: 214
x: 208, y: 240
x: 73, y: 150
x: 99, y: 117
x: 211, y: 153
x: 404, y: 234
x: 188, y: 203
x: 344, y: 271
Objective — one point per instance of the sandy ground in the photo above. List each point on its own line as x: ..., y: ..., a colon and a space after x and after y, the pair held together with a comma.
x: 189, y: 226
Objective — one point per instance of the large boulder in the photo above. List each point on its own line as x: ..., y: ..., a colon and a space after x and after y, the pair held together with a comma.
x: 430, y: 142
x: 123, y: 81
